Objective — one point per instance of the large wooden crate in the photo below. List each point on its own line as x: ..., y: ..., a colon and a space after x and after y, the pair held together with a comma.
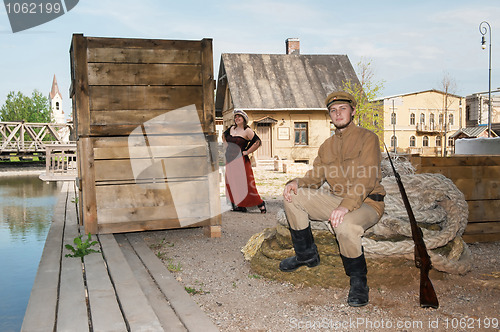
x: 478, y: 177
x: 145, y: 122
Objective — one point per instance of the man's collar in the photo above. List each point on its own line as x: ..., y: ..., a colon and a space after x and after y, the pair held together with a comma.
x: 346, y: 129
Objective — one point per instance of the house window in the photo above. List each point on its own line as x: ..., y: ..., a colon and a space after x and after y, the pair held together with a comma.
x: 300, y: 133
x: 438, y: 141
x: 412, y: 141
x: 412, y: 119
x: 394, y: 141
x: 451, y: 141
x: 450, y: 119
x: 422, y: 118
x: 57, y: 105
x: 425, y: 141
x: 393, y: 118
x: 440, y: 119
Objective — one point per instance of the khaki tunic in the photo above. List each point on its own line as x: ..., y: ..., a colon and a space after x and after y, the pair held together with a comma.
x: 350, y: 162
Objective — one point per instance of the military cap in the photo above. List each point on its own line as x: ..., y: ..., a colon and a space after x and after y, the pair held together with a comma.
x: 242, y: 113
x: 340, y: 97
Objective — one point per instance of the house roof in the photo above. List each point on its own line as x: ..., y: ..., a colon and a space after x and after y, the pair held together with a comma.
x: 470, y: 132
x: 281, y: 81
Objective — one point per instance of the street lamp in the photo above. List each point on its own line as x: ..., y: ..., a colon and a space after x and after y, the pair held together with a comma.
x: 485, y: 27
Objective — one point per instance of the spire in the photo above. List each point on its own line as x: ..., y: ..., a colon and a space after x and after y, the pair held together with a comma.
x: 55, y: 89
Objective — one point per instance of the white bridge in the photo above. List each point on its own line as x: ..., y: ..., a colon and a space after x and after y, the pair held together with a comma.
x: 28, y: 138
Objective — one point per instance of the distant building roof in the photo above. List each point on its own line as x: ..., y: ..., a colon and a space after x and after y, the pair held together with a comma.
x: 418, y: 92
x: 55, y: 89
x: 281, y: 81
x: 471, y: 132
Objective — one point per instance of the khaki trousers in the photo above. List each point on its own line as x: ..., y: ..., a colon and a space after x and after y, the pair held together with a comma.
x: 318, y: 204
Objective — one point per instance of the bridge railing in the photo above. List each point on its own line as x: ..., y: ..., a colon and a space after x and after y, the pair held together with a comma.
x: 23, y: 137
x: 60, y: 163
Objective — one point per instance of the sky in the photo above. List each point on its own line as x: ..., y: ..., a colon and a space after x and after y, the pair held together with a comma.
x: 411, y: 45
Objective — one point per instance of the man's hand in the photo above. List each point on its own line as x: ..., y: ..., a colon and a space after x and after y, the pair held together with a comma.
x: 337, y: 216
x: 291, y: 186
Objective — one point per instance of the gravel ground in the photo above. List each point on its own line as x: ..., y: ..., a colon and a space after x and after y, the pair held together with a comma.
x: 215, y: 272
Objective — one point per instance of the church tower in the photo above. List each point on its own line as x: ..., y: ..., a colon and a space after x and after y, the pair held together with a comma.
x: 56, y: 103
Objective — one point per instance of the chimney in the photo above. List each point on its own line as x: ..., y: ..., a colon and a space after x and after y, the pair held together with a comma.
x: 293, y: 46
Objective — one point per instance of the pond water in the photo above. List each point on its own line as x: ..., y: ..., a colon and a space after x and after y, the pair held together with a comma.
x: 26, y: 210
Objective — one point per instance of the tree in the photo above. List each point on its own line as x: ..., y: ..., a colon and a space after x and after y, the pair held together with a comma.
x: 448, y: 86
x: 368, y: 114
x: 19, y: 107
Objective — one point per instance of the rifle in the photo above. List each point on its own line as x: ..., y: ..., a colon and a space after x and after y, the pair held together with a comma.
x: 428, y: 296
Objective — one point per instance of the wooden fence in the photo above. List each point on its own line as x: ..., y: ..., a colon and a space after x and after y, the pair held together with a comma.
x: 478, y: 177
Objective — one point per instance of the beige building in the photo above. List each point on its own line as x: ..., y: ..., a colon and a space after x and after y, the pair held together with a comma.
x: 422, y: 122
x: 283, y: 95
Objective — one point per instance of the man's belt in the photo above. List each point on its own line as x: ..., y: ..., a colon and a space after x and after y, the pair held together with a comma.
x: 376, y: 197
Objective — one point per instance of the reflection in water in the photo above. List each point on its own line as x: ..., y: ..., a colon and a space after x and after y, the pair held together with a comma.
x: 26, y: 209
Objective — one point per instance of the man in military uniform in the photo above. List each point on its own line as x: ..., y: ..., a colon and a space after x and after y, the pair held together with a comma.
x: 349, y: 161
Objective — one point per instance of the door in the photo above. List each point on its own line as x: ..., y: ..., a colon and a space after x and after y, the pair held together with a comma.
x: 264, y: 132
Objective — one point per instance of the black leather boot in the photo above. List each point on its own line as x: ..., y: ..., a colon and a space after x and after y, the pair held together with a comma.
x: 306, y: 252
x: 356, y: 269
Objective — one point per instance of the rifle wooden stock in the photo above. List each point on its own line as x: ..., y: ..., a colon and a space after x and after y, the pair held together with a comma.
x: 428, y: 296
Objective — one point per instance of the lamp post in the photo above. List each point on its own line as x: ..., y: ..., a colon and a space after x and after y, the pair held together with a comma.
x: 485, y: 27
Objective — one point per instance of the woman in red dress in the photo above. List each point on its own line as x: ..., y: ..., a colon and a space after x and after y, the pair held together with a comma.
x: 240, y: 141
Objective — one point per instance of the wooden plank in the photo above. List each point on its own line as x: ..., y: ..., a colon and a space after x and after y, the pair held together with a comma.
x: 208, y: 116
x: 153, y: 44
x: 133, y: 117
x: 133, y: 196
x: 159, y: 168
x: 212, y: 231
x: 104, y: 309
x: 72, y: 308
x: 188, y: 311
x: 142, y: 55
x: 123, y: 125
x: 135, y: 306
x: 153, y: 140
x: 40, y: 313
x: 80, y: 85
x: 135, y: 152
x: 214, y: 189
x: 482, y: 228
x: 484, y: 210
x: 479, y: 189
x: 481, y: 238
x: 89, y: 204
x: 465, y: 172
x: 170, y: 211
x: 143, y: 74
x: 112, y: 98
x: 149, y: 225
x: 160, y: 305
x: 460, y: 161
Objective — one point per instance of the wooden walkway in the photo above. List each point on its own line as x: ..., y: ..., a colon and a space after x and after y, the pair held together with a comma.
x: 123, y: 288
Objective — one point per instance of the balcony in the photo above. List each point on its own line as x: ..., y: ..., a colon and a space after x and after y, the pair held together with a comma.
x: 430, y: 128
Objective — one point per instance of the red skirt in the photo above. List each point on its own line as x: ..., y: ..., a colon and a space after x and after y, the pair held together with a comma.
x: 240, y: 183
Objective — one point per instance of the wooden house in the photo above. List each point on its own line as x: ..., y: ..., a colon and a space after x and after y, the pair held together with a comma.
x: 145, y: 124
x: 283, y: 95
